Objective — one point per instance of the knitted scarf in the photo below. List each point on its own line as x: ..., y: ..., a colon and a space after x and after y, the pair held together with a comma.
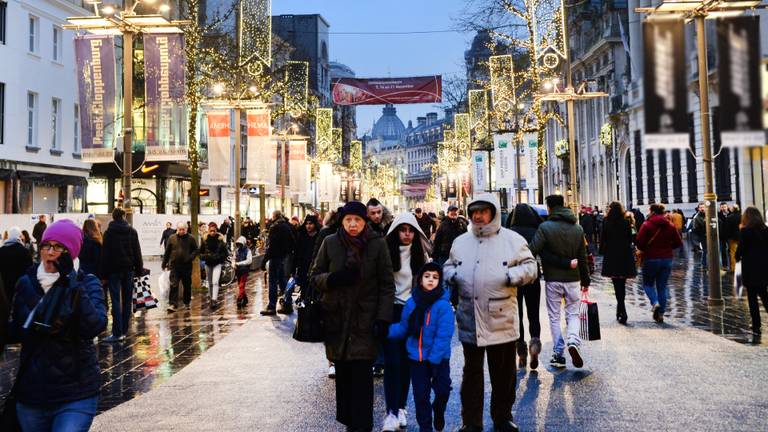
x: 424, y: 300
x: 355, y: 246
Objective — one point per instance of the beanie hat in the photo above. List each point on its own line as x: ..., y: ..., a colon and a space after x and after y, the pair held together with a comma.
x: 355, y: 208
x: 67, y: 233
x: 431, y: 266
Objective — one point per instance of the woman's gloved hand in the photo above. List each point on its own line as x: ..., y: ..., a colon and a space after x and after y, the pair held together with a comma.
x: 343, y: 277
x: 64, y: 265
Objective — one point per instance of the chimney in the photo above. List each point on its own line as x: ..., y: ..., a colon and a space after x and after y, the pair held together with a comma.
x: 431, y: 118
x: 449, y: 115
x: 421, y: 121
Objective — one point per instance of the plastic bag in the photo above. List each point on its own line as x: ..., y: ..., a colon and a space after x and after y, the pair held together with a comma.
x: 163, y: 285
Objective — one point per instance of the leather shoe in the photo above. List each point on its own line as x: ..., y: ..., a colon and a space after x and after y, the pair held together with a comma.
x: 507, y: 426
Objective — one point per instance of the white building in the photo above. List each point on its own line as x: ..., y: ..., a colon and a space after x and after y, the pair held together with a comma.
x: 40, y: 167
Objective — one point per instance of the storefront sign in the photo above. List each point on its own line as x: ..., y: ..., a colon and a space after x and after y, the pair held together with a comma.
x: 262, y: 150
x: 166, y: 114
x: 376, y: 91
x: 95, y: 63
x: 219, y: 148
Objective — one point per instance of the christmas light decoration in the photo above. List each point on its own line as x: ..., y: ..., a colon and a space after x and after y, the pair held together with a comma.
x: 561, y: 148
x: 462, y: 140
x: 256, y: 31
x: 478, y: 113
x: 355, y: 156
x: 323, y: 134
x: 296, y: 87
x: 336, y: 145
x: 606, y: 135
x: 502, y: 83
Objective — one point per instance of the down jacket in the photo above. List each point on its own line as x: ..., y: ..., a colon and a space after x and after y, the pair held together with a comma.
x: 487, y: 264
x: 434, y: 341
x: 561, y: 236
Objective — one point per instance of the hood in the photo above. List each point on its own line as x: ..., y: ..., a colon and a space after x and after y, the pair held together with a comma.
x: 563, y: 214
x: 495, y: 225
x: 312, y: 218
x: 406, y: 218
x: 659, y: 220
x: 525, y: 216
x: 240, y: 240
x: 119, y: 226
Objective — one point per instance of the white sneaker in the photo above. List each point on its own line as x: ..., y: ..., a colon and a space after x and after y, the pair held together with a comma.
x: 402, y: 418
x: 391, y: 423
x: 331, y: 371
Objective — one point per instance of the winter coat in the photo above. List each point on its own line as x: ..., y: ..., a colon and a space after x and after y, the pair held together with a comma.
x: 487, y: 264
x: 59, y: 370
x: 700, y: 225
x: 180, y: 251
x: 426, y: 224
x: 14, y: 263
x: 305, y: 246
x: 213, y: 250
x: 227, y: 230
x: 281, y: 241
x: 663, y: 244
x: 434, y: 341
x: 617, y: 249
x: 243, y: 260
x: 90, y: 256
x: 325, y: 232
x: 677, y: 220
x: 350, y: 311
x: 120, y: 251
x: 525, y: 221
x: 250, y: 232
x: 5, y: 313
x: 37, y: 232
x: 733, y: 221
x: 560, y: 235
x: 587, y: 222
x: 722, y: 225
x: 167, y: 233
x: 753, y: 254
x: 383, y: 226
x: 447, y: 232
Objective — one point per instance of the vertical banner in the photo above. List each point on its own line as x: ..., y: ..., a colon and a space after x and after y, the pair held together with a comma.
x: 664, y: 85
x: 325, y: 183
x: 504, y: 151
x: 479, y: 172
x: 262, y: 150
x: 166, y: 114
x: 738, y: 46
x: 219, y: 147
x: 532, y: 176
x: 96, y: 81
x: 298, y: 167
x: 451, y: 191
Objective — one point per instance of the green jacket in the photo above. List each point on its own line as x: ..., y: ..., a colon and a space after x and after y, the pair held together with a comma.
x: 561, y: 236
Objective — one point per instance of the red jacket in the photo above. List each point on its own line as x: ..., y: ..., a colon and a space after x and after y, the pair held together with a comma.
x: 658, y: 238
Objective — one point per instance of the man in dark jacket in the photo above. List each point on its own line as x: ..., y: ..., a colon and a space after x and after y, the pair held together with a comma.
x: 734, y: 222
x: 305, y: 246
x: 280, y: 245
x: 227, y: 230
x: 179, y: 255
x: 120, y: 260
x: 14, y: 261
x: 379, y: 217
x: 169, y: 231
x: 450, y: 228
x: 249, y: 230
x: 425, y: 223
x: 562, y: 236
x: 587, y: 222
x: 38, y: 230
x: 722, y: 232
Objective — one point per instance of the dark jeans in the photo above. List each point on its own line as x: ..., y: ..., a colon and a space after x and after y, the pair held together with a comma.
x: 502, y: 369
x: 531, y: 294
x: 397, y: 376
x: 354, y: 394
x: 754, y: 309
x: 276, y: 279
x: 428, y: 377
x: 121, y: 293
x: 656, y: 273
x: 725, y: 257
x: 75, y: 416
x: 181, y: 274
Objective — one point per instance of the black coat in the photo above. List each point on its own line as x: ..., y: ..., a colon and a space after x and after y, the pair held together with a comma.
x: 281, y: 241
x: 213, y: 250
x: 166, y: 234
x: 37, y: 232
x: 753, y: 254
x: 350, y: 311
x: 587, y: 222
x: 305, y: 247
x: 617, y: 249
x: 14, y: 262
x: 120, y: 251
x: 90, y: 256
x: 447, y: 232
x: 733, y: 220
x: 180, y: 251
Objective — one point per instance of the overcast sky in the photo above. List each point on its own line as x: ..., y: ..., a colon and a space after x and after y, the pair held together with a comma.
x: 372, y: 56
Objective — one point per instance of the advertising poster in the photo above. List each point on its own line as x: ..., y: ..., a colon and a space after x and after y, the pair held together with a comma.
x: 479, y: 172
x: 504, y: 152
x: 95, y: 68
x: 219, y: 148
x: 166, y: 113
x: 379, y: 91
x: 262, y: 150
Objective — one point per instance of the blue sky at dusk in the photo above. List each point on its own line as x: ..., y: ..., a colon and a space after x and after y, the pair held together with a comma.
x: 389, y: 55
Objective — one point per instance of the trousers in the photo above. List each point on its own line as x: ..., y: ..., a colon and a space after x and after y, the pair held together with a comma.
x: 503, y: 372
x: 181, y: 274
x: 214, y: 274
x: 354, y: 394
x: 75, y: 416
x: 428, y: 378
x: 556, y: 293
x: 397, y: 376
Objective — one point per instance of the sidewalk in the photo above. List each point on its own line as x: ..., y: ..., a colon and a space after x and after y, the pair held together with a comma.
x: 639, y: 377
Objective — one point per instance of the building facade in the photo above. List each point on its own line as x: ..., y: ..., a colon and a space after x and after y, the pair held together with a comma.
x: 386, y: 143
x: 308, y: 35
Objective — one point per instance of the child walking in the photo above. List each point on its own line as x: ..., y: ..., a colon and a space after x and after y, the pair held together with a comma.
x: 243, y: 259
x: 427, y: 322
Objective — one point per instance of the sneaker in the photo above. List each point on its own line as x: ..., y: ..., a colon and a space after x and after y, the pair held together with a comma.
x: 402, y: 418
x: 171, y: 308
x: 557, y: 361
x: 534, y: 349
x: 573, y: 350
x: 268, y: 312
x: 391, y: 424
x: 378, y: 371
x: 656, y: 313
x: 331, y: 371
x: 507, y: 426
x: 285, y: 309
x: 111, y: 339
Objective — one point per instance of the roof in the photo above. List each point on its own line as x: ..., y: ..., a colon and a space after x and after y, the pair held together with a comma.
x: 388, y: 126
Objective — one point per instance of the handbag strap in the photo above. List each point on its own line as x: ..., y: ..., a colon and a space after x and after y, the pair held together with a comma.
x: 653, y: 238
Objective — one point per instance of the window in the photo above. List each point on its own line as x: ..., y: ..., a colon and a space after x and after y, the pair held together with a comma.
x: 57, y: 43
x: 76, y: 138
x: 3, y: 9
x: 2, y: 109
x: 55, y: 124
x: 31, y: 119
x: 33, y: 33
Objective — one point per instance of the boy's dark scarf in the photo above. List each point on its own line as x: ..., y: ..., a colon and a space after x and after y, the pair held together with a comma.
x: 355, y: 246
x: 424, y: 300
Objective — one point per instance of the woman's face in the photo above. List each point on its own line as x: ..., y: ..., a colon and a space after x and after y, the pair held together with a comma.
x: 50, y: 252
x: 406, y: 233
x: 212, y: 231
x: 353, y: 225
x: 430, y: 280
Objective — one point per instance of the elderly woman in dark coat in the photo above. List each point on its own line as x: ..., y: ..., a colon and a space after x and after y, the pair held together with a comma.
x: 618, y: 254
x: 353, y: 273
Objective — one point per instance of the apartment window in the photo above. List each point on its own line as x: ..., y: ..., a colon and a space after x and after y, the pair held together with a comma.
x: 31, y: 119
x: 34, y: 33
x: 76, y: 137
x: 3, y: 9
x: 55, y: 124
x: 57, y: 43
x: 2, y: 109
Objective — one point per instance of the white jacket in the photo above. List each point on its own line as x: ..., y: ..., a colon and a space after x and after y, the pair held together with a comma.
x: 487, y: 264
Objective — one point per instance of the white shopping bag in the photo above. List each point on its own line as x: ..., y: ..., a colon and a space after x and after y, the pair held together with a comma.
x: 737, y: 280
x: 163, y: 285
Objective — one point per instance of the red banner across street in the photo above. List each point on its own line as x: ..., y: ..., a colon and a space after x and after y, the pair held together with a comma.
x: 377, y: 91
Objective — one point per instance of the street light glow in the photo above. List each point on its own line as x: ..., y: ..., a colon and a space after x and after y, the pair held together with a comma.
x: 164, y: 8
x: 218, y: 88
x: 108, y: 10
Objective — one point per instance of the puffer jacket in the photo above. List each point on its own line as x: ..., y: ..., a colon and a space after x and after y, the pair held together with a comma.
x: 59, y: 371
x: 213, y: 250
x: 487, y: 264
x: 561, y: 236
x: 434, y: 341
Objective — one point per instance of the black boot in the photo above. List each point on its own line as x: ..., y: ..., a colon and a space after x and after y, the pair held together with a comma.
x: 507, y: 426
x: 522, y: 354
x: 621, y: 313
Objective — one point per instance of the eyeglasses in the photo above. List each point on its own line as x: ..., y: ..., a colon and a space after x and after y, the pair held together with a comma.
x: 56, y: 248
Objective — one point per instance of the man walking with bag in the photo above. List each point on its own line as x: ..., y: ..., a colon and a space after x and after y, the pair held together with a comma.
x: 179, y: 255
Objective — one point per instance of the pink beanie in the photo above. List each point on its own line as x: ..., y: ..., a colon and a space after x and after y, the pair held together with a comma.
x: 67, y: 233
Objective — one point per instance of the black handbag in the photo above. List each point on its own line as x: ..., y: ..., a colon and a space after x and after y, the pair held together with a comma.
x: 309, y: 319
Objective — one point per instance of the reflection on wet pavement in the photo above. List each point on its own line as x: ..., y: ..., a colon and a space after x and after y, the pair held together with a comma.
x: 159, y: 344
x: 687, y: 304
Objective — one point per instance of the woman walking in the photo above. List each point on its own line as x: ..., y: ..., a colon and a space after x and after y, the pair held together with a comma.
x: 657, y: 239
x: 213, y: 251
x: 353, y: 273
x: 90, y: 253
x: 618, y: 256
x: 752, y: 252
x: 57, y: 312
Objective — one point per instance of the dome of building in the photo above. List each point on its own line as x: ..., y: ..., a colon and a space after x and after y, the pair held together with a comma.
x: 388, y: 126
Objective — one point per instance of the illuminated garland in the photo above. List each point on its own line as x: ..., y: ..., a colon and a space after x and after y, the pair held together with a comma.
x: 355, y: 156
x: 502, y: 83
x: 324, y: 134
x: 336, y: 147
x: 606, y: 135
x: 463, y: 143
x: 296, y: 87
x: 478, y: 113
x: 561, y: 148
x: 256, y: 31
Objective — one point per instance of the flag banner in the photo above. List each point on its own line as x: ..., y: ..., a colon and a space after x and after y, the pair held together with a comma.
x: 451, y: 188
x: 664, y: 85
x: 738, y: 46
x: 377, y: 91
x: 326, y: 190
x: 261, y: 167
x: 479, y: 172
x: 504, y: 152
x: 166, y: 114
x: 96, y: 81
x: 219, y: 148
x: 298, y: 167
x: 532, y: 174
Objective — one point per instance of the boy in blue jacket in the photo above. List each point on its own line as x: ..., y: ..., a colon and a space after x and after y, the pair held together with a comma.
x: 428, y: 322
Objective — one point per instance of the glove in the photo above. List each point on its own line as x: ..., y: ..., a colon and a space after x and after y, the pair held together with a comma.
x: 380, y: 329
x: 343, y: 277
x: 64, y: 265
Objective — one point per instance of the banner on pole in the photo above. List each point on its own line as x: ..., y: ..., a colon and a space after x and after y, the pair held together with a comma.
x: 664, y: 85
x: 504, y: 150
x: 262, y: 150
x: 298, y: 167
x: 96, y: 81
x: 219, y: 147
x: 451, y: 190
x: 377, y: 91
x: 532, y: 174
x: 738, y: 45
x: 166, y: 114
x: 326, y: 190
x: 479, y: 172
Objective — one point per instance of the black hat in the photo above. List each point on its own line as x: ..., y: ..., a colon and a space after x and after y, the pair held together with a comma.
x: 431, y: 266
x: 452, y: 208
x: 355, y: 208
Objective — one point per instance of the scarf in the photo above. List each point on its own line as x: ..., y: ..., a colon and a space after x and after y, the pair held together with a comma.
x: 48, y: 279
x: 355, y: 246
x: 424, y: 300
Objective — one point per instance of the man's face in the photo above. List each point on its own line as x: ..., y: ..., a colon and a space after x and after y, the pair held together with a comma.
x: 418, y: 214
x: 724, y: 208
x: 453, y: 214
x: 701, y: 208
x: 181, y: 229
x: 168, y: 225
x: 212, y: 231
x: 42, y: 218
x: 406, y: 233
x: 481, y: 217
x: 311, y: 227
x: 376, y: 213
